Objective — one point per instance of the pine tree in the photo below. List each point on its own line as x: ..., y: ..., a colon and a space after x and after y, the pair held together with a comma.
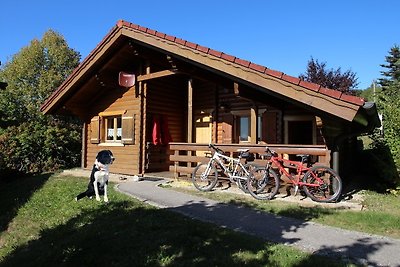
x: 389, y: 102
x: 392, y: 66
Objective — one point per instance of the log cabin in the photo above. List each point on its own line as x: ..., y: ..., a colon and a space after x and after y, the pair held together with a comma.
x: 156, y: 101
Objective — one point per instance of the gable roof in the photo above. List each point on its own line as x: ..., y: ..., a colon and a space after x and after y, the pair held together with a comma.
x: 275, y: 82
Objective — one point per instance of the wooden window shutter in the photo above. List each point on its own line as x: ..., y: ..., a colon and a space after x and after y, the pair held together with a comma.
x: 270, y: 129
x: 128, y: 128
x: 95, y: 130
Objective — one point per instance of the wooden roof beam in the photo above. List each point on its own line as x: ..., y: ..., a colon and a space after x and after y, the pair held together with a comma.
x: 155, y: 75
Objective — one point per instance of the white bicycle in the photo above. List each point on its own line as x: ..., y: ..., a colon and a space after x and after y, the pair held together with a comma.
x: 205, y: 175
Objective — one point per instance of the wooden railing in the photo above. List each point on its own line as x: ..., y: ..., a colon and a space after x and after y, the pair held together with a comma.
x: 185, y: 156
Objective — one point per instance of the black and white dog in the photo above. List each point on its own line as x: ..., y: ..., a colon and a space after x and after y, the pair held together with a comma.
x: 99, y: 177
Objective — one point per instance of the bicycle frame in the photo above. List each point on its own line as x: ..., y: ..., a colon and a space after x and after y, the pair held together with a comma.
x: 300, y: 170
x: 233, y: 162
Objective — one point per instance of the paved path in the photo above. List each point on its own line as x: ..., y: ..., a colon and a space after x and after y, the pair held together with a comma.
x: 363, y: 248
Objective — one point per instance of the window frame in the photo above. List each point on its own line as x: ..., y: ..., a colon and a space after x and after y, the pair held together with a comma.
x: 115, y: 119
x: 240, y: 114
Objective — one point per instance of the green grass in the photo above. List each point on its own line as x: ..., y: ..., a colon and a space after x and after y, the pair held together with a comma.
x: 41, y: 225
x: 381, y: 213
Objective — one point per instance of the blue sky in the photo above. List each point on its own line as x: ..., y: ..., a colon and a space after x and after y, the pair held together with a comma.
x: 281, y: 35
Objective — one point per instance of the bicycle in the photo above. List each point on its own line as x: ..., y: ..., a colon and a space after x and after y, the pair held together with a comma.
x: 320, y: 183
x: 205, y: 175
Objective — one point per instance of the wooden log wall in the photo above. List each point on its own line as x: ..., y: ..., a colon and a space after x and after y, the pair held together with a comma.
x: 127, y: 156
x: 167, y: 99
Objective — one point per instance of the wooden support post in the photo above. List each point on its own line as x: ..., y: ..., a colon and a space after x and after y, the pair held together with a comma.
x: 253, y: 124
x: 190, y: 117
x: 84, y: 145
x: 143, y: 95
x: 190, y: 112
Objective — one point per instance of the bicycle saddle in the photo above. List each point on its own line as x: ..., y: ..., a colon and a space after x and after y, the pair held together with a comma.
x: 304, y: 157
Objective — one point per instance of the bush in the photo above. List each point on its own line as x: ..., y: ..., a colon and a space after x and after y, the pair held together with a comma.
x: 33, y: 147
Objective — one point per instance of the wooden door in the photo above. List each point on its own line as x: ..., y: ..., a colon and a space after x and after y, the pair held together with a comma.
x: 203, y: 131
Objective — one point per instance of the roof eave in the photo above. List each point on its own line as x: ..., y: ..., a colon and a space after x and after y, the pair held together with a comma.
x: 53, y: 102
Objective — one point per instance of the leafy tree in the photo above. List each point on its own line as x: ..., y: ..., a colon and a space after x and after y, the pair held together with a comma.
x: 30, y: 141
x: 388, y: 101
x: 317, y: 72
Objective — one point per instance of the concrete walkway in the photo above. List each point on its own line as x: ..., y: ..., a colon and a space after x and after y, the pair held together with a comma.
x: 362, y: 248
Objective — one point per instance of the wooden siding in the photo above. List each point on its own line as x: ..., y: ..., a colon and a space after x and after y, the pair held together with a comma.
x: 127, y: 156
x: 166, y: 97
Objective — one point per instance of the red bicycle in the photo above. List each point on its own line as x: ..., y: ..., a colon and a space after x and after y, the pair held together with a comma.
x: 320, y: 183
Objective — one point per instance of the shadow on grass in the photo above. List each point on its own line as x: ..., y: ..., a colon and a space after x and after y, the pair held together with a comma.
x: 125, y: 233
x: 119, y: 235
x: 14, y: 193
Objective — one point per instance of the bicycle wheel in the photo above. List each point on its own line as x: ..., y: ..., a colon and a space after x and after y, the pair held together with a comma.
x: 326, y: 185
x: 204, y: 181
x: 263, y: 183
x: 242, y: 182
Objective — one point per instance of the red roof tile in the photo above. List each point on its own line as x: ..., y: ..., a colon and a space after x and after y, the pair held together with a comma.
x: 228, y: 57
x: 191, y: 45
x: 352, y: 99
x: 311, y: 86
x: 160, y: 34
x: 202, y: 49
x: 170, y: 38
x: 214, y: 53
x: 242, y: 62
x: 274, y: 73
x: 330, y: 92
x: 257, y: 67
x: 291, y: 79
x: 180, y: 41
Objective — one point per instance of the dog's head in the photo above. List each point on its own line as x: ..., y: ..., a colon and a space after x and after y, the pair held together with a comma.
x: 105, y: 157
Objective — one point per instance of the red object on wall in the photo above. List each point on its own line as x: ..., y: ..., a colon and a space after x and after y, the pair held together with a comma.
x: 160, y: 135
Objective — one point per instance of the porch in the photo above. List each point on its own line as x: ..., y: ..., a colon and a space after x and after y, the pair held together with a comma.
x: 184, y: 157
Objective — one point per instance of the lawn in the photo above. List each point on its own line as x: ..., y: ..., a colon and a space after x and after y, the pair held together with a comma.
x: 41, y: 225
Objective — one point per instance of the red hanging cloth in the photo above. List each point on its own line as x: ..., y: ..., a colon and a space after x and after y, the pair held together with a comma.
x: 156, y: 136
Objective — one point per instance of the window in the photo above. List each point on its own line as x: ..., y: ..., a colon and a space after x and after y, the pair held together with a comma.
x: 113, y: 129
x: 244, y: 129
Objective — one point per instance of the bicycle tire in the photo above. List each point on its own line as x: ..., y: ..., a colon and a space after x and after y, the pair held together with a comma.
x: 204, y: 183
x: 242, y: 183
x: 263, y: 183
x: 331, y: 188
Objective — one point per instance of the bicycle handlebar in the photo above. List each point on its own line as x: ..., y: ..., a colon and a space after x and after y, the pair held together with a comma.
x: 215, y: 148
x: 268, y: 150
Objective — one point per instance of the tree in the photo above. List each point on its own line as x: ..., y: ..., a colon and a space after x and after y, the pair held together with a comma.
x: 34, y: 73
x: 392, y: 66
x: 30, y: 141
x: 388, y: 101
x: 334, y: 79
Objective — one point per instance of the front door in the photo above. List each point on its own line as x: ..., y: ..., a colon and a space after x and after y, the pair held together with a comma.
x: 203, y: 131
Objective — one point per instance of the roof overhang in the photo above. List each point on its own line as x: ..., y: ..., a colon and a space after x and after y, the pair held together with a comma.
x: 251, y: 75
